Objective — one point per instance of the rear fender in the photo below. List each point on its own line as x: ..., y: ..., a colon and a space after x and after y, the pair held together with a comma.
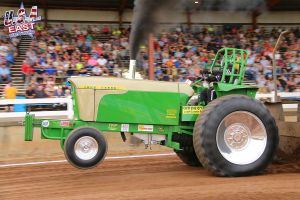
x: 223, y: 89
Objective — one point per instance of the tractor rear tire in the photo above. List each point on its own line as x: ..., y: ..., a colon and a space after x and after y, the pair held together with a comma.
x: 235, y: 136
x: 85, y: 147
x: 188, y: 156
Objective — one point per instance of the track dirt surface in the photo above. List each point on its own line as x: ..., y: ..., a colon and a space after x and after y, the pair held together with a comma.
x: 152, y: 178
x: 144, y: 178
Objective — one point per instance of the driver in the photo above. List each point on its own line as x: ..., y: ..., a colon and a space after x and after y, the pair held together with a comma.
x: 208, y: 94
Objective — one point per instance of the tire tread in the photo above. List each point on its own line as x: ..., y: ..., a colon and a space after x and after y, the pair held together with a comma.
x: 202, y: 123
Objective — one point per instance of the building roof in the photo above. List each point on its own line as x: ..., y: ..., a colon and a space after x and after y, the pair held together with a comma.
x: 73, y: 4
x: 120, y: 5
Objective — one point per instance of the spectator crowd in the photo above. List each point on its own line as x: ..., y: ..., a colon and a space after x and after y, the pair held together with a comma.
x: 8, y: 51
x: 58, y: 52
x: 180, y: 54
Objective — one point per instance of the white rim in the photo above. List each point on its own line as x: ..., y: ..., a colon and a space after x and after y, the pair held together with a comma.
x: 241, y: 138
x: 86, y: 148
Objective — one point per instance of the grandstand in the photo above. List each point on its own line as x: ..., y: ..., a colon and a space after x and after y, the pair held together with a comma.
x: 183, y: 47
x: 15, y: 69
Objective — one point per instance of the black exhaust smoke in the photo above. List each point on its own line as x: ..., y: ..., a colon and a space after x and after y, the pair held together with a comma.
x: 146, y: 14
x: 143, y: 23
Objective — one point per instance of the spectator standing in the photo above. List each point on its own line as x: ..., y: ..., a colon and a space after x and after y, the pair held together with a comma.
x: 27, y: 71
x: 10, y: 92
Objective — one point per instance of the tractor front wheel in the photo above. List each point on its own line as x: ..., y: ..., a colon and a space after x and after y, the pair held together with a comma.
x: 235, y: 136
x: 85, y: 147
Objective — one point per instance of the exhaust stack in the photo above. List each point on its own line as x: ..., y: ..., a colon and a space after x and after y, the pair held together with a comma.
x: 278, y: 43
x: 132, y: 68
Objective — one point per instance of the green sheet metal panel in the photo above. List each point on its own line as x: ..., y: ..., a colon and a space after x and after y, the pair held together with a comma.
x: 28, y: 127
x: 227, y: 89
x: 140, y: 107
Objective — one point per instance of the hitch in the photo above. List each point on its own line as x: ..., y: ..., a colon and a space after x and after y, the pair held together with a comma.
x: 123, y: 136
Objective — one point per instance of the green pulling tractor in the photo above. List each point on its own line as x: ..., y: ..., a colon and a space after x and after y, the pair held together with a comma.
x: 214, y: 122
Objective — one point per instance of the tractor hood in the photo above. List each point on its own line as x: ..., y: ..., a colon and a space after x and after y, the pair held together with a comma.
x: 126, y: 84
x: 90, y: 91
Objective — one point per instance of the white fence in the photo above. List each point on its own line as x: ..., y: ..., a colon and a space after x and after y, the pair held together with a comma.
x: 69, y: 112
x: 281, y: 94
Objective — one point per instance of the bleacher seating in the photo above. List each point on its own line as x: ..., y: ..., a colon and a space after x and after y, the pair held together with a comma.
x: 189, y: 52
x: 15, y: 69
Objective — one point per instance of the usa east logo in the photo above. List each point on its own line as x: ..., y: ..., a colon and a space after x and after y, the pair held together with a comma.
x: 20, y: 23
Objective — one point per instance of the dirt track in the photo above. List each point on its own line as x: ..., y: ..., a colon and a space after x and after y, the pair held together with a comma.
x: 137, y: 178
x: 144, y: 178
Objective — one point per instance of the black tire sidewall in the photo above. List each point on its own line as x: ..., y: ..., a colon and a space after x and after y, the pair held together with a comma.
x: 188, y: 156
x: 217, y: 114
x: 72, y: 139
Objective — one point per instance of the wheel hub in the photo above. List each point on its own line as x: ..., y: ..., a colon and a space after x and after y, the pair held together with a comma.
x: 237, y: 136
x: 241, y: 138
x: 86, y: 148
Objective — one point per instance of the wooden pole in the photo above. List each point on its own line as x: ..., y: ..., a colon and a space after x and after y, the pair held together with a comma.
x: 254, y: 19
x: 189, y: 19
x: 45, y: 9
x: 151, y: 56
x: 45, y: 17
x: 120, y: 15
x: 123, y: 4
